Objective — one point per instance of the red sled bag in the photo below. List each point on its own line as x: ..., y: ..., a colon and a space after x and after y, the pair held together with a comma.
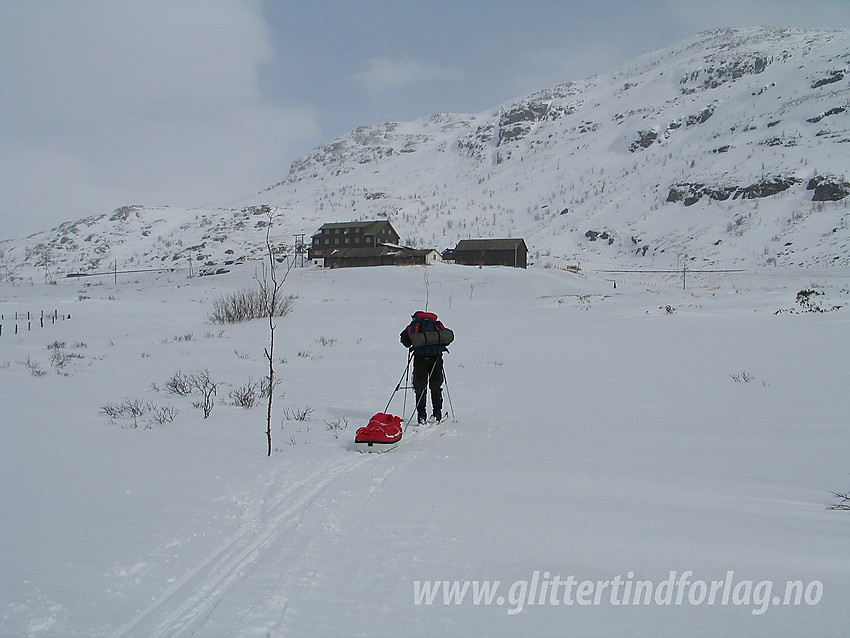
x: 381, y: 435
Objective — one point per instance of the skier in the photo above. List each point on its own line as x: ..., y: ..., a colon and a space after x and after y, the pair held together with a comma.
x: 427, y: 362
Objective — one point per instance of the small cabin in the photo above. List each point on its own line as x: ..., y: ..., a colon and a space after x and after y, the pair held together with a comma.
x: 492, y: 252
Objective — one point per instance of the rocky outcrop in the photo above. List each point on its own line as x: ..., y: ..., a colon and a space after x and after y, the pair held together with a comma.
x: 690, y: 193
x: 828, y: 188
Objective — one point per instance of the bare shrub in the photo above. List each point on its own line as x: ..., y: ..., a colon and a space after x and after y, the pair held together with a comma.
x: 135, y: 413
x: 843, y: 504
x: 112, y: 411
x: 297, y: 414
x: 807, y: 300
x: 134, y: 410
x: 130, y: 410
x: 59, y: 357
x: 207, y: 387
x: 337, y: 426
x: 184, y: 385
x: 164, y: 414
x: 250, y: 303
x: 34, y: 367
x: 246, y: 395
x: 180, y: 384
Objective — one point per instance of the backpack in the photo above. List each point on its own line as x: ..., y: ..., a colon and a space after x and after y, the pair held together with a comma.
x: 426, y: 335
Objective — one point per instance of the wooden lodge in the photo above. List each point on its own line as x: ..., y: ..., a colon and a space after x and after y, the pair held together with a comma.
x: 387, y: 255
x: 491, y: 252
x: 344, y: 235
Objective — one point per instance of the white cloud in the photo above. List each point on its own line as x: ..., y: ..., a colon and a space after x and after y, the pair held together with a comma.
x: 385, y: 74
x: 109, y: 103
x: 41, y: 186
x: 544, y: 68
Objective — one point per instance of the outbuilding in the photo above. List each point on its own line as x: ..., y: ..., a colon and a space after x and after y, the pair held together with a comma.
x: 492, y: 252
x: 380, y: 256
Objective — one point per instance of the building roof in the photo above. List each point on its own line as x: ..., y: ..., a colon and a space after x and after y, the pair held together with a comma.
x: 367, y: 227
x: 490, y: 244
x: 378, y: 251
x: 365, y: 251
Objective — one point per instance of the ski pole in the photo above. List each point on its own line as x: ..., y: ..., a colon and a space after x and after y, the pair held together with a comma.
x: 415, y: 398
x: 406, y: 383
x: 398, y: 385
x: 449, y: 395
x: 424, y: 396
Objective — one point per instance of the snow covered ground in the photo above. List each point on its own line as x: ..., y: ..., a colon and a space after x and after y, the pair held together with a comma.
x: 607, y: 441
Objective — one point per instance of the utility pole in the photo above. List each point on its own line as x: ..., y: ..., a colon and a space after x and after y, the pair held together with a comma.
x: 300, y: 247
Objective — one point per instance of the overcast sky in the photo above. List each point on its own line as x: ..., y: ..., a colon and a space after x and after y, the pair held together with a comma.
x: 204, y: 102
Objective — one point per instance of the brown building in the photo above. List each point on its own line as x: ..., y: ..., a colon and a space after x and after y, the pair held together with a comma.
x: 380, y: 256
x: 343, y: 235
x: 492, y: 252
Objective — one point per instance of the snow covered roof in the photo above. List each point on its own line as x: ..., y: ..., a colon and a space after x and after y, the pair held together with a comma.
x: 367, y: 227
x: 490, y: 244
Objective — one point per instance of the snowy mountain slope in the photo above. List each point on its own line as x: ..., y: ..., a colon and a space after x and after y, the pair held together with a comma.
x: 729, y: 113
x: 611, y: 439
x: 730, y: 148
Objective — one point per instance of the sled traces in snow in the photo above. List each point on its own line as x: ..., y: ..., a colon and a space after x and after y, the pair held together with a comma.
x: 185, y: 606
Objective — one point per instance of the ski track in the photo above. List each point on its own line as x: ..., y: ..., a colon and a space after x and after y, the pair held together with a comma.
x: 189, y: 602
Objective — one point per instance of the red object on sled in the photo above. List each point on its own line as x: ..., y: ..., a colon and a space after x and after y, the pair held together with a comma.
x: 382, y: 434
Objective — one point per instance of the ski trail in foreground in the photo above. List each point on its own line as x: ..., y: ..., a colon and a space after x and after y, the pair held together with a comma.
x: 189, y: 601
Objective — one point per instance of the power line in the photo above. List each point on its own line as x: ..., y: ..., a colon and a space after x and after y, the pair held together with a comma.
x: 668, y: 271
x: 117, y: 272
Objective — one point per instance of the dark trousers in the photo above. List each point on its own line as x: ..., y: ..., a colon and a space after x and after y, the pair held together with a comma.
x: 428, y: 372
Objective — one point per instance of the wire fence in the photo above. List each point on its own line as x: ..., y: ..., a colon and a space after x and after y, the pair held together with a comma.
x: 19, y: 322
x: 720, y: 278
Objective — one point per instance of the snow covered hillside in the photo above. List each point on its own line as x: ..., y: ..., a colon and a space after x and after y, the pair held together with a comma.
x: 728, y: 150
x: 607, y: 440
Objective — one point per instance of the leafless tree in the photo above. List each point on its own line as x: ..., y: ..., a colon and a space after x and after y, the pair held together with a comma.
x: 271, y: 286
